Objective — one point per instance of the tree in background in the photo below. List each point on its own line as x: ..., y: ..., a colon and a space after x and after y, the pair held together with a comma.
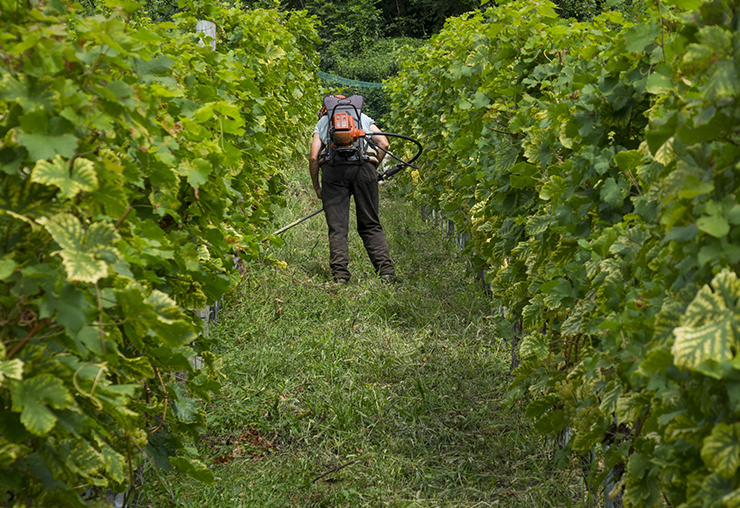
x: 421, y: 18
x: 156, y: 10
x: 365, y: 39
x: 587, y: 10
x: 582, y: 10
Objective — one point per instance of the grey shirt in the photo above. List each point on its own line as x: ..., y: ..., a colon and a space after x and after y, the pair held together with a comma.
x: 322, y: 126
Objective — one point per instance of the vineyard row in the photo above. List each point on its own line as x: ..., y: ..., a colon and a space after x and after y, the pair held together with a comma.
x: 137, y: 162
x: 595, y: 168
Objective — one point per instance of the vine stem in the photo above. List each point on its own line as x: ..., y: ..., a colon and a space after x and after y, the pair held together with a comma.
x: 156, y: 471
x: 90, y: 395
x: 123, y: 217
x: 148, y: 401
x: 576, y: 345
x: 662, y: 32
x: 127, y: 497
x: 88, y: 75
x: 515, y: 136
x: 41, y: 324
x: 164, y: 413
x: 100, y: 318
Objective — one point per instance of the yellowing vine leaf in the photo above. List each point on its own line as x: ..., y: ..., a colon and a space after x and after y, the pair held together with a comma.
x: 723, y: 82
x: 694, y: 346
x: 708, y: 331
x: 732, y: 500
x: 82, y: 252
x: 115, y: 464
x: 721, y: 450
x: 81, y: 178
x: 12, y: 369
x: 535, y: 344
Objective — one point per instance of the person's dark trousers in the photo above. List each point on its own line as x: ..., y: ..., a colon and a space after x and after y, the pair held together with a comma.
x: 338, y: 183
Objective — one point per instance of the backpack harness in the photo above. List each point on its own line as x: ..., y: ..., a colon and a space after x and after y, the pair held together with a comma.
x: 347, y: 145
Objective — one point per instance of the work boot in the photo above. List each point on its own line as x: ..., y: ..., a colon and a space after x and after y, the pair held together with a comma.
x: 390, y: 279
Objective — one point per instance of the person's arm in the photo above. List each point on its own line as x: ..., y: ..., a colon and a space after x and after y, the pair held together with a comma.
x: 382, y: 143
x: 313, y: 164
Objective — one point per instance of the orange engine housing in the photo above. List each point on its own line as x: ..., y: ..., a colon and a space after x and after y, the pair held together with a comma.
x: 345, y: 131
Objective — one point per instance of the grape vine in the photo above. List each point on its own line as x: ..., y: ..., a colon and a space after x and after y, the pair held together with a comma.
x: 136, y: 164
x: 594, y: 166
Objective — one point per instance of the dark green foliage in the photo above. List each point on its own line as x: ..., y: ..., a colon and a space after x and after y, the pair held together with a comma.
x: 421, y: 18
x: 364, y: 39
x: 367, y: 19
x: 375, y: 61
x: 135, y: 165
x: 161, y: 10
x: 582, y: 10
x: 595, y: 167
x: 156, y: 10
x: 587, y: 10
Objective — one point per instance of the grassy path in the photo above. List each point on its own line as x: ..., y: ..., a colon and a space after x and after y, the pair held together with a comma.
x: 365, y: 395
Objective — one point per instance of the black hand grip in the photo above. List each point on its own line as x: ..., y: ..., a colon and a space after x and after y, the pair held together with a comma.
x: 390, y: 172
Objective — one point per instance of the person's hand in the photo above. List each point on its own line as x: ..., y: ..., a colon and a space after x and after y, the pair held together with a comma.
x: 317, y: 188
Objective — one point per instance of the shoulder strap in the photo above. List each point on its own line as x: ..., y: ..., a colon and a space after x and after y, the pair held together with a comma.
x: 352, y: 104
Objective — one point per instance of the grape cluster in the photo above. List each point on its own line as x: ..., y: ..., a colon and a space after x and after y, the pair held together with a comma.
x: 568, y: 398
x: 586, y: 418
x: 139, y: 437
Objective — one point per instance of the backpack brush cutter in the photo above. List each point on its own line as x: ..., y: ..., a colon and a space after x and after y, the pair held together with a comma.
x: 345, y: 146
x: 381, y: 177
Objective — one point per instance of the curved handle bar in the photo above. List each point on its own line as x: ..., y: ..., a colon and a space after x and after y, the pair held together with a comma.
x: 399, y: 167
x: 395, y: 169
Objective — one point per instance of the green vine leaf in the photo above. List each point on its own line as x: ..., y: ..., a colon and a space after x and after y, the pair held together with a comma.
x: 7, y: 267
x: 539, y: 407
x: 639, y: 36
x: 115, y: 299
x: 659, y: 80
x: 715, y: 225
x: 193, y: 468
x: 613, y: 192
x: 623, y: 142
x: 34, y: 399
x: 44, y: 146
